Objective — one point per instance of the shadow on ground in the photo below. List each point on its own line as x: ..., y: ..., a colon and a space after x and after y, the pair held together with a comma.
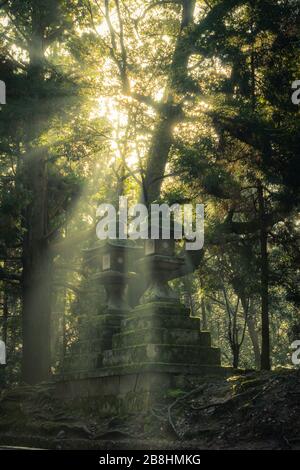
x: 248, y: 411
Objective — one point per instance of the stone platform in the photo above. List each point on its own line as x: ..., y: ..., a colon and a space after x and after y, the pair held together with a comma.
x: 115, y: 392
x: 157, y: 333
x: 161, y: 333
x: 132, y: 359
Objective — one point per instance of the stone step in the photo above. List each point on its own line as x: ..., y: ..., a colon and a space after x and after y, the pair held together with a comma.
x: 98, y: 320
x: 152, y: 320
x: 175, y: 336
x: 159, y: 315
x: 91, y: 346
x: 161, y: 368
x: 162, y: 353
x: 95, y: 326
x: 81, y: 362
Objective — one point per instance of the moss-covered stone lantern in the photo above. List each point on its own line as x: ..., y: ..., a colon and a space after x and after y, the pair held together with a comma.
x: 159, y: 247
x: 160, y: 264
x: 112, y: 259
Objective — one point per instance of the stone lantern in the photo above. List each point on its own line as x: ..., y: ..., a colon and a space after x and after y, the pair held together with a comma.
x: 112, y: 260
x: 159, y: 247
x: 107, y: 263
x: 160, y: 265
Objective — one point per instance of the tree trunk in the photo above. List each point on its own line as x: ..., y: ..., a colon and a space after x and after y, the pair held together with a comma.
x: 37, y: 261
x: 204, y: 315
x: 5, y: 312
x: 36, y: 278
x: 254, y: 337
x: 170, y: 112
x: 236, y: 357
x: 265, y: 345
x: 252, y: 332
x: 158, y: 156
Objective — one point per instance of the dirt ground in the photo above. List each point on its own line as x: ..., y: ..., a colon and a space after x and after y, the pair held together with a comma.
x: 247, y: 411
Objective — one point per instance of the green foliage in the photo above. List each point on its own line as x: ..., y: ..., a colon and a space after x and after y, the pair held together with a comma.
x: 91, y: 102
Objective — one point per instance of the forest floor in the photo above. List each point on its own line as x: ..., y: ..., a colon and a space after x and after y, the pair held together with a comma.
x: 248, y: 411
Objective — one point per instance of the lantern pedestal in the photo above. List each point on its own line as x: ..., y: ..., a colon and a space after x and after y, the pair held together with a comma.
x: 158, y: 270
x: 158, y: 348
x: 95, y: 336
x: 161, y: 335
x: 115, y: 284
x: 111, y: 259
x: 96, y: 333
x: 137, y: 355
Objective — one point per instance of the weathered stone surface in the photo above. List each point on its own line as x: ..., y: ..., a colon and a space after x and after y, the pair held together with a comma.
x: 159, y: 315
x: 129, y: 391
x: 80, y: 362
x: 160, y: 332
x: 166, y: 353
x: 95, y: 336
x: 129, y: 360
x: 161, y: 336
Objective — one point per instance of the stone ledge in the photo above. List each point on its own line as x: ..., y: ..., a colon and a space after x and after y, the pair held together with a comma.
x: 158, y: 367
x: 166, y: 353
x: 176, y: 336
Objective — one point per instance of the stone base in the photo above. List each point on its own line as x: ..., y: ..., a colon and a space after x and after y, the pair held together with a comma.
x: 155, y: 333
x: 128, y: 362
x: 95, y: 336
x: 117, y: 391
x: 161, y: 333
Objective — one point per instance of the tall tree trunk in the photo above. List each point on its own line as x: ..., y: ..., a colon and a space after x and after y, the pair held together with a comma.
x: 254, y: 340
x: 170, y: 112
x: 158, y: 155
x: 5, y: 311
x: 36, y: 278
x: 252, y: 331
x: 236, y: 356
x: 265, y: 345
x: 37, y: 261
x: 203, y: 315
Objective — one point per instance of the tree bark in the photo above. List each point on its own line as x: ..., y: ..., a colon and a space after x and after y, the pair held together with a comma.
x: 158, y: 155
x: 252, y: 332
x: 169, y: 114
x: 254, y: 340
x: 36, y: 277
x: 5, y: 312
x: 265, y: 346
x: 203, y: 315
x: 236, y: 357
x: 37, y: 261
